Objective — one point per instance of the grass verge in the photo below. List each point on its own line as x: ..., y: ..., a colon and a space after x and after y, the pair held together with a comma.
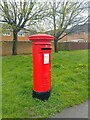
x: 69, y: 85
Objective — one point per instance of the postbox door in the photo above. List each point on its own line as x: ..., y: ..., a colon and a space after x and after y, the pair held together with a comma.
x: 42, y: 68
x: 46, y: 68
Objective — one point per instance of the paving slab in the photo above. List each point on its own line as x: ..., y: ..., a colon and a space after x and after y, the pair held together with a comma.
x: 78, y: 111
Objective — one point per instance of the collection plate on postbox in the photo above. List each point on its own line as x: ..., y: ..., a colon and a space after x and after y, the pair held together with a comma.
x: 46, y: 58
x: 41, y: 52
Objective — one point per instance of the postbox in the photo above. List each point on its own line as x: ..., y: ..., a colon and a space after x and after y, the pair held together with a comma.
x: 41, y: 53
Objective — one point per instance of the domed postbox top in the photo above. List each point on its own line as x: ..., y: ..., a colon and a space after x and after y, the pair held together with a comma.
x: 41, y: 37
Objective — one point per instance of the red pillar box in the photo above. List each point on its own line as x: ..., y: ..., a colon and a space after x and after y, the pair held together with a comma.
x: 41, y: 51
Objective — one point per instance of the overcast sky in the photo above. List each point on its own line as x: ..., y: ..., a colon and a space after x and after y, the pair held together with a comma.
x: 45, y: 25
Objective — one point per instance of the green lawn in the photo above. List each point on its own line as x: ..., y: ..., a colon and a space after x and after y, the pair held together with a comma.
x: 69, y: 85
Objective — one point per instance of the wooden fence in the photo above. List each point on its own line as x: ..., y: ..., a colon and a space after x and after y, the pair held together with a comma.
x: 73, y: 45
x: 25, y: 47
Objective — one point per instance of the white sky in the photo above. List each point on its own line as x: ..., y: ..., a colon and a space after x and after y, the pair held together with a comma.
x: 45, y: 25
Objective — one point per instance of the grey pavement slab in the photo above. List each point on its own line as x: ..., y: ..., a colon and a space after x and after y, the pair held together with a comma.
x: 78, y: 111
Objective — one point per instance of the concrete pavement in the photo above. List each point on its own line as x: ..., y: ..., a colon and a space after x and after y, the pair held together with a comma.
x: 78, y: 111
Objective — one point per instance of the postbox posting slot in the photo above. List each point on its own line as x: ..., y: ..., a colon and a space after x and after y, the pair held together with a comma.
x: 45, y: 48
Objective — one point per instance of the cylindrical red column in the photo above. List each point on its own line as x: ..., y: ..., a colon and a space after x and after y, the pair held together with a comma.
x: 41, y: 51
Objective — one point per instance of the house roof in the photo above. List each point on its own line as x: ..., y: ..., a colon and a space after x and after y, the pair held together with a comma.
x: 79, y: 28
x: 75, y: 29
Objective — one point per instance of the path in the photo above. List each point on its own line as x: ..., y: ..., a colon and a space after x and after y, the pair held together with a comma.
x: 78, y: 111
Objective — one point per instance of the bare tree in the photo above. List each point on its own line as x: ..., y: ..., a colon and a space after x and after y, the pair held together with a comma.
x: 5, y: 28
x: 19, y: 14
x: 63, y: 14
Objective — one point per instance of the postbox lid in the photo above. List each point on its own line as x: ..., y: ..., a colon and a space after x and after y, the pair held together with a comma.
x: 41, y: 37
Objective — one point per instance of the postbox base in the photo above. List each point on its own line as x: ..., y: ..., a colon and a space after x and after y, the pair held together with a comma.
x: 41, y: 95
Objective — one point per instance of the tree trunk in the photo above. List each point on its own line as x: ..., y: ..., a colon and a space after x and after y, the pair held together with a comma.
x: 14, y: 47
x: 55, y: 46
